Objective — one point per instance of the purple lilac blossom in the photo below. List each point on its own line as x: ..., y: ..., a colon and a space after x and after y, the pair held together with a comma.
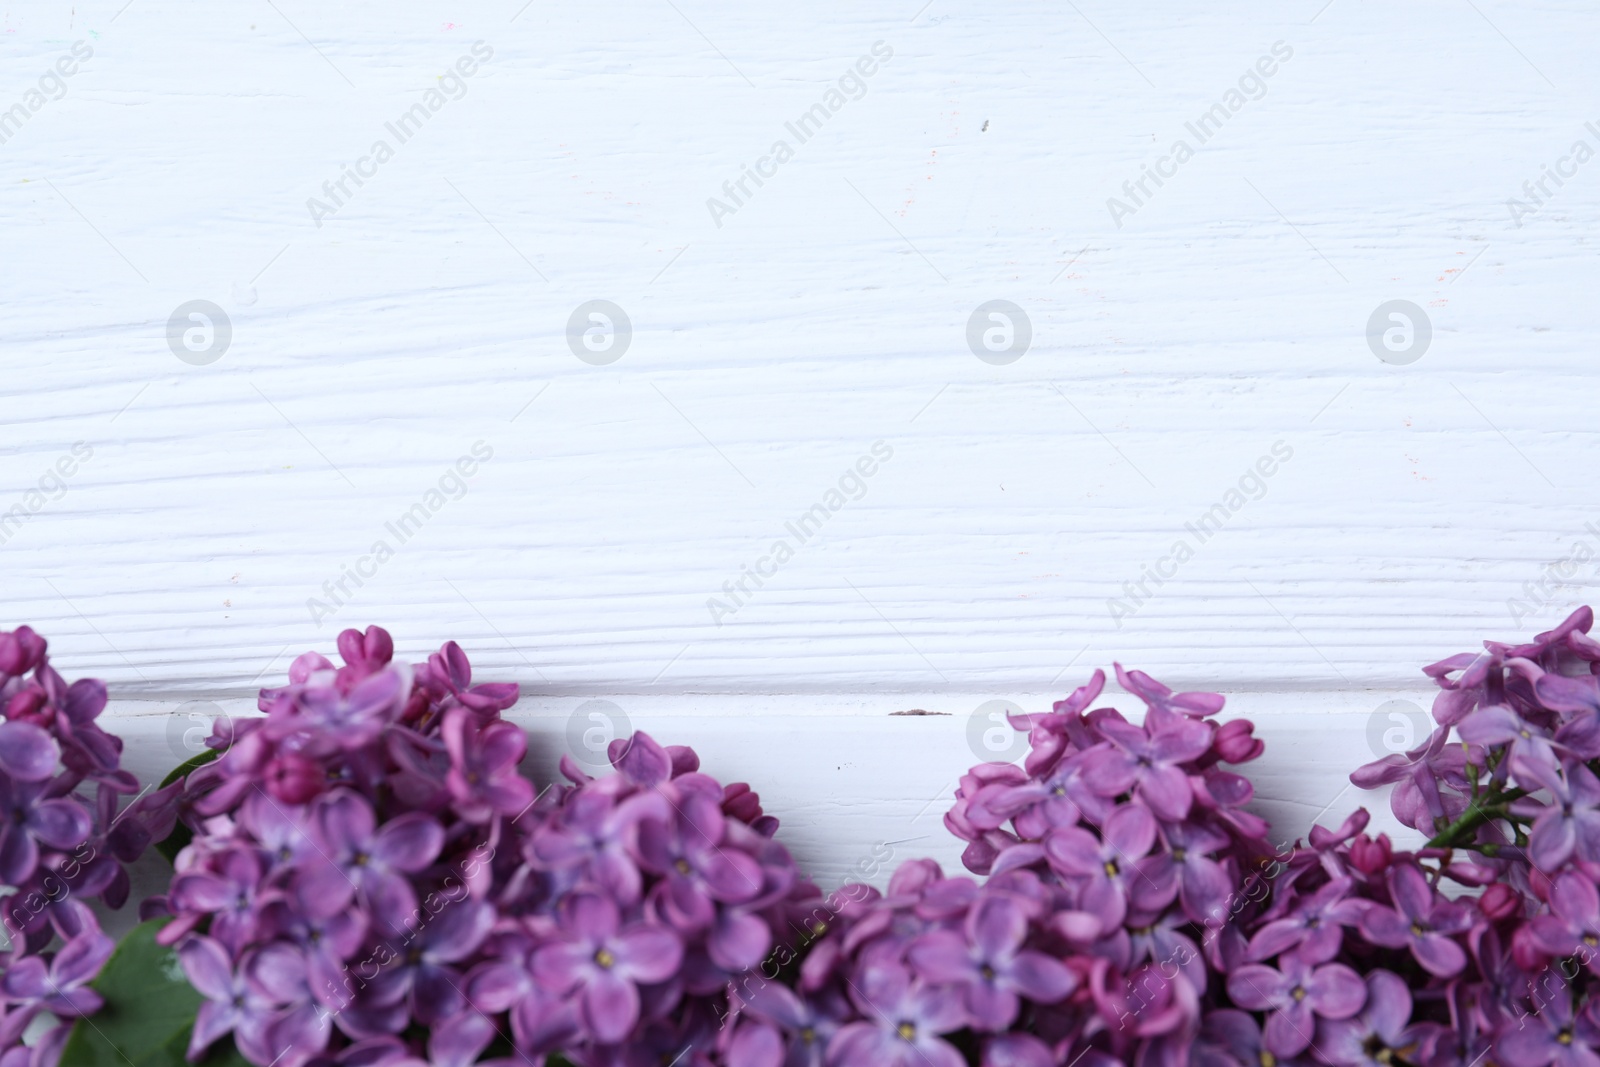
x: 67, y: 831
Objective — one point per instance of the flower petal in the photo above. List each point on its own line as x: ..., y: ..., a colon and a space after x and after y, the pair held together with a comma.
x: 207, y: 966
x: 1439, y: 955
x: 409, y: 843
x: 1336, y: 992
x: 647, y: 954
x: 27, y: 753
x: 62, y: 823
x: 610, y: 1007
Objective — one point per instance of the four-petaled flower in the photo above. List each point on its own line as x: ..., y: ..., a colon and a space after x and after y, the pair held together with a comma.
x: 483, y: 776
x: 353, y: 854
x: 1421, y: 920
x: 1147, y: 760
x: 1557, y: 1035
x: 1567, y: 826
x: 1314, y: 925
x: 1573, y: 926
x: 1297, y: 995
x: 606, y: 962
x: 233, y: 1004
x: 61, y: 985
x: 422, y: 977
x: 1110, y: 868
x: 988, y: 961
x: 29, y: 817
x: 1380, y: 1035
x: 686, y: 849
x: 903, y: 1020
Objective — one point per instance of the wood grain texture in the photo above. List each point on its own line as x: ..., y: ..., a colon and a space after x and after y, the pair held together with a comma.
x: 827, y: 313
x: 773, y: 346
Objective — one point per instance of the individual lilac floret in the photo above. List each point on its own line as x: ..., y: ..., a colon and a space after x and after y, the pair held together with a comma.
x: 1232, y: 1038
x: 1297, y: 995
x: 301, y: 1026
x: 1161, y: 698
x: 807, y: 1024
x: 1108, y: 868
x: 1314, y: 926
x: 1556, y: 1036
x: 61, y: 985
x: 686, y: 850
x: 1572, y: 929
x: 229, y: 892
x: 988, y: 962
x: 1149, y: 761
x: 483, y: 778
x: 233, y: 1004
x: 1570, y: 824
x: 33, y: 818
x: 328, y: 942
x: 1524, y: 740
x: 1421, y: 921
x: 902, y: 1024
x: 424, y: 977
x: 1204, y: 884
x: 330, y: 719
x: 606, y: 962
x: 358, y: 856
x: 1380, y: 1035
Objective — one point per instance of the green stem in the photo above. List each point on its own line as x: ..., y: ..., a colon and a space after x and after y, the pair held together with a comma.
x: 1459, y: 833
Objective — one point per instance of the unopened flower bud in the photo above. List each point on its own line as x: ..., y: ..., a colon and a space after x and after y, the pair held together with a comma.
x: 20, y: 651
x: 1525, y: 953
x: 1370, y: 856
x: 1234, y: 743
x: 294, y: 779
x: 1499, y: 901
x: 739, y: 802
x: 30, y: 705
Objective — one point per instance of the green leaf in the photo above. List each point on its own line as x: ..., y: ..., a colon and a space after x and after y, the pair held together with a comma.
x: 199, y: 759
x: 221, y: 1054
x: 148, y: 1014
x: 181, y: 835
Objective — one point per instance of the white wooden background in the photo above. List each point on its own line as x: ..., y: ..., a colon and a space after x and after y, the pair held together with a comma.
x: 828, y: 312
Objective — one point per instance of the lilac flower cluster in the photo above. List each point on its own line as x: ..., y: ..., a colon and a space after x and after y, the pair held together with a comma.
x: 371, y: 882
x: 1197, y: 944
x: 368, y: 860
x: 1136, y: 839
x: 65, y: 836
x: 1507, y: 787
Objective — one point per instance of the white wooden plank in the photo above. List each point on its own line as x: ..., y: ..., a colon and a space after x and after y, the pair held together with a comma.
x: 827, y: 313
